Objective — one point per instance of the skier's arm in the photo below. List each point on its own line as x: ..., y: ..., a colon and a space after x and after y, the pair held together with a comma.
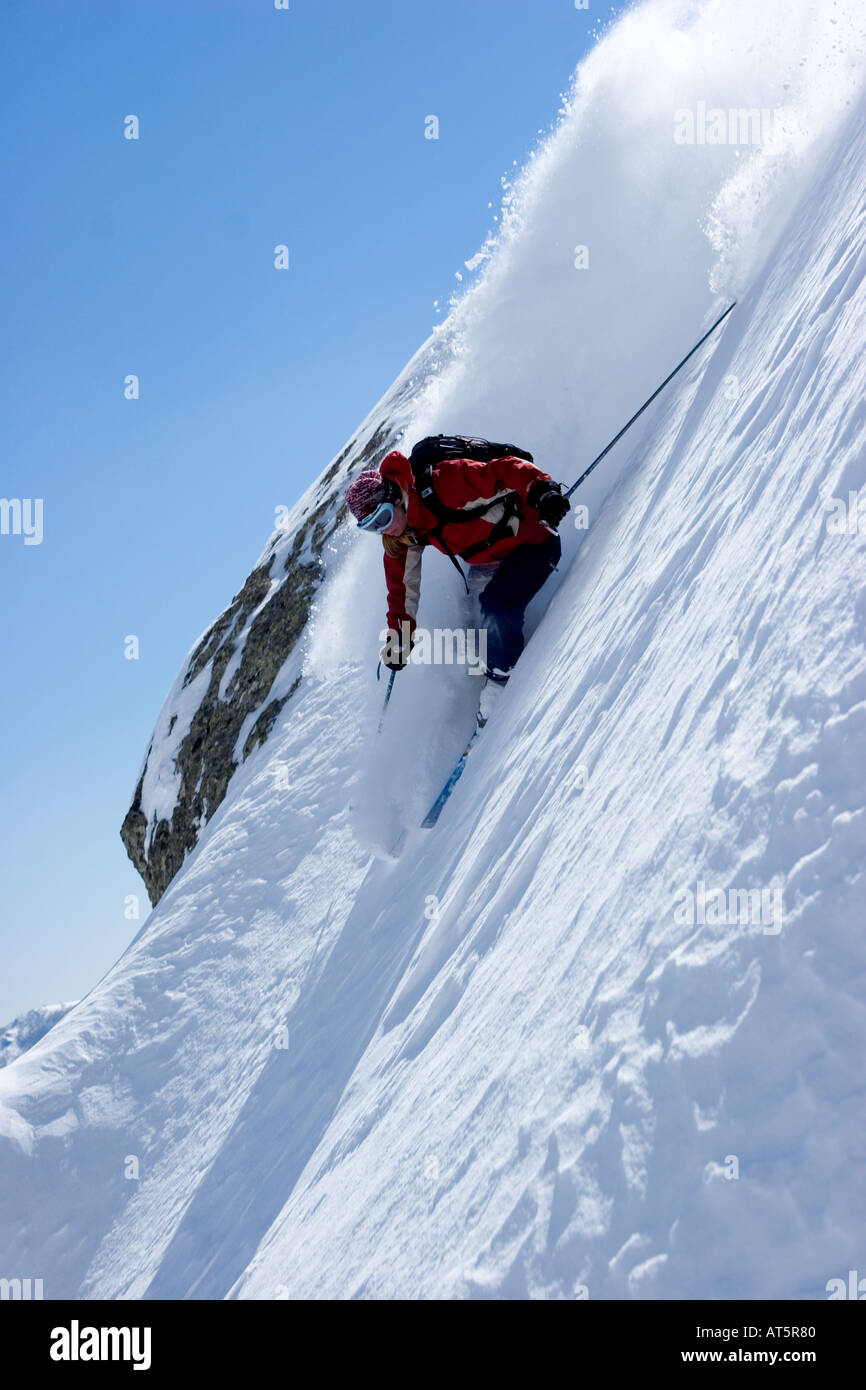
x: 477, y: 481
x: 518, y: 475
x: 403, y: 582
x: 536, y: 487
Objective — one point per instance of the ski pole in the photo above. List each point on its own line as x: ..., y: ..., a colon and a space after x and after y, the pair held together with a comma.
x: 387, y: 696
x: 585, y: 474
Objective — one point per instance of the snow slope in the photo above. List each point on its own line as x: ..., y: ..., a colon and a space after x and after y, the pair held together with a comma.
x: 509, y: 1065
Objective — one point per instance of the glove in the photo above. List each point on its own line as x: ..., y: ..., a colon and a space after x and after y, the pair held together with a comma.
x: 546, y: 496
x: 398, y: 648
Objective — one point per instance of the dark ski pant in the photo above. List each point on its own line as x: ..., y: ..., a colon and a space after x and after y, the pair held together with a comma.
x: 504, y: 599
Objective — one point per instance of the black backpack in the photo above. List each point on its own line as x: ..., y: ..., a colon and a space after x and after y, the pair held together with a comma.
x: 438, y: 448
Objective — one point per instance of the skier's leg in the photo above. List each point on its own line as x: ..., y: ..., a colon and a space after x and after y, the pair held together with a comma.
x: 503, y: 602
x: 477, y: 579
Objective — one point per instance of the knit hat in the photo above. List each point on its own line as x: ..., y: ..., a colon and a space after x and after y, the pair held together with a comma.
x: 365, y: 494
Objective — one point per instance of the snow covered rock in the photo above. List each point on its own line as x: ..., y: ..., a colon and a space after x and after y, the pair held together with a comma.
x: 240, y: 674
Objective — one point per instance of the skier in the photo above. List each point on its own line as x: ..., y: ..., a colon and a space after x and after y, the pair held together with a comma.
x: 487, y: 504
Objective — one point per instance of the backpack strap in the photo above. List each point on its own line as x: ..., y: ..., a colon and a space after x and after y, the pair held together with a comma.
x: 441, y: 448
x: 433, y: 503
x: 437, y: 533
x: 501, y: 529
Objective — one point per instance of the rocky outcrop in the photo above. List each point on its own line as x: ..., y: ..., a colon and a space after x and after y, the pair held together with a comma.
x: 255, y: 636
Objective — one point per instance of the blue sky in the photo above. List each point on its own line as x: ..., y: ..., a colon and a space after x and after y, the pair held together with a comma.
x: 155, y: 257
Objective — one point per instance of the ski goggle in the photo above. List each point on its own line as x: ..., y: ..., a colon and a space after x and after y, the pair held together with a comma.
x: 380, y: 519
x: 383, y: 516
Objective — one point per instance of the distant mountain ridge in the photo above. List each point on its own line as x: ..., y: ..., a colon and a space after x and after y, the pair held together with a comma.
x: 28, y: 1028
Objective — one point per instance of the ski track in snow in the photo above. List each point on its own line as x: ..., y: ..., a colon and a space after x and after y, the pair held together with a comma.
x: 511, y: 1070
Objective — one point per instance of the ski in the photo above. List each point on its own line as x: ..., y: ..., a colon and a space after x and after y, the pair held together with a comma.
x: 436, y: 809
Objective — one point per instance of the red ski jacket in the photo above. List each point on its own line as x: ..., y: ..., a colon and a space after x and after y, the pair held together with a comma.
x: 459, y: 484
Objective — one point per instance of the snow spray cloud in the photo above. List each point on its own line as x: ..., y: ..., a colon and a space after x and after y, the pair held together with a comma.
x: 615, y: 246
x: 547, y: 344
x: 614, y: 240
